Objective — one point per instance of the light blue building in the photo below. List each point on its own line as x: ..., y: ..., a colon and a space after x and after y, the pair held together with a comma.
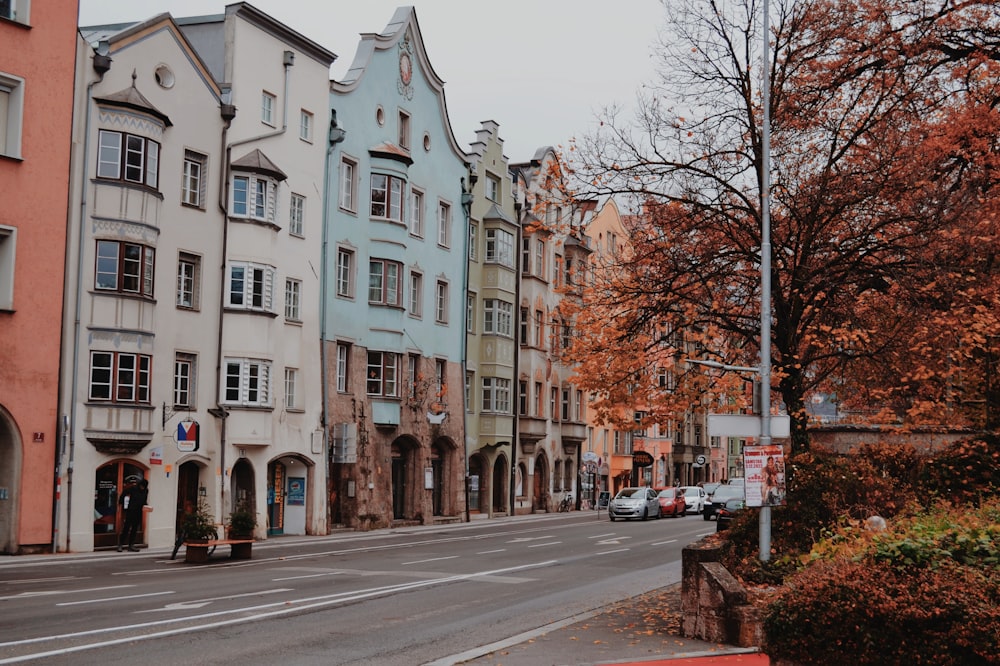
x: 395, y: 274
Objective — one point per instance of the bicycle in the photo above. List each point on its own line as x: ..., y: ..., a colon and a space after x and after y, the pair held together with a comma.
x: 566, y: 503
x: 182, y: 537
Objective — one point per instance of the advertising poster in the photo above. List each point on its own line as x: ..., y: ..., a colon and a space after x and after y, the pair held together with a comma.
x: 296, y: 491
x: 764, y: 469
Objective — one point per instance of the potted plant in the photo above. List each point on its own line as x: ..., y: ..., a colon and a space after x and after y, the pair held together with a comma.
x: 242, y: 522
x: 199, y: 528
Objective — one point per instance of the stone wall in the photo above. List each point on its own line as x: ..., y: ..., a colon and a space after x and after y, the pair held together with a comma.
x: 714, y: 603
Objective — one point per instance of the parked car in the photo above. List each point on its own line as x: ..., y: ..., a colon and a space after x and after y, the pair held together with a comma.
x: 671, y: 501
x: 634, y: 503
x: 719, y: 498
x: 710, y: 487
x: 695, y: 498
x: 727, y: 513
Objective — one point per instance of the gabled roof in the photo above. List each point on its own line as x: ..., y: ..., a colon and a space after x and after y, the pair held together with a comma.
x: 257, y: 162
x: 131, y: 98
x: 496, y: 213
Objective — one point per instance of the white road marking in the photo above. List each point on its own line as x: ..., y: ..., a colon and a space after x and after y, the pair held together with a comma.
x: 663, y: 543
x: 487, y: 552
x: 543, y: 545
x: 198, y: 603
x: 52, y: 593
x: 115, y: 599
x: 609, y: 552
x: 431, y: 559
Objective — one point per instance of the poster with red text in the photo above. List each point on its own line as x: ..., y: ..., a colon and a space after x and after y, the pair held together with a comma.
x: 764, y: 469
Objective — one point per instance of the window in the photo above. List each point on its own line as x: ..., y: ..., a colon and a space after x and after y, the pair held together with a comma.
x: 348, y: 184
x: 291, y: 383
x: 444, y: 224
x: 440, y: 376
x: 184, y: 367
x: 441, y: 302
x: 557, y: 271
x: 498, y: 317
x: 522, y: 398
x: 252, y: 197
x: 387, y: 197
x: 343, y: 354
x: 578, y: 414
x: 345, y: 273
x: 296, y: 214
x: 553, y: 403
x: 539, y: 397
x: 539, y: 329
x: 250, y: 286
x: 496, y: 395
x: 500, y: 247
x: 565, y: 404
x: 492, y: 187
x: 381, y: 380
x: 8, y: 243
x: 474, y: 242
x: 128, y: 157
x: 567, y: 334
x: 267, y: 103
x: 188, y: 280
x: 306, y: 126
x: 416, y: 294
x: 120, y: 377
x: 193, y: 179
x: 412, y: 374
x: 15, y: 10
x: 248, y: 382
x: 293, y: 298
x: 126, y: 268
x: 470, y: 381
x: 404, y: 130
x: 525, y: 322
x: 539, y: 258
x: 470, y: 312
x: 385, y: 282
x: 11, y: 114
x: 525, y: 256
x: 416, y: 213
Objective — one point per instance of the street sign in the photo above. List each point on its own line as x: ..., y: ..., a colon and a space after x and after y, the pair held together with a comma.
x: 746, y: 425
x: 188, y: 439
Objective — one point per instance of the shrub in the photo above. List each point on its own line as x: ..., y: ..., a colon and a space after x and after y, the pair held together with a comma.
x: 843, y: 611
x: 965, y: 472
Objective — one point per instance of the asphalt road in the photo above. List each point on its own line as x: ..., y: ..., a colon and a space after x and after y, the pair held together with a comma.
x: 390, y: 597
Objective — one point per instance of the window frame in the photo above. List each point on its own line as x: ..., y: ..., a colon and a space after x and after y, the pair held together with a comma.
x: 415, y: 212
x: 268, y: 103
x: 8, y: 254
x: 253, y: 387
x: 383, y: 370
x: 125, y: 385
x: 343, y: 366
x: 185, y: 369
x: 416, y: 290
x: 291, y: 388
x: 346, y: 280
x: 193, y: 184
x: 348, y: 184
x: 188, y: 282
x: 134, y: 153
x: 492, y: 187
x: 441, y: 304
x: 258, y: 197
x: 392, y: 199
x: 145, y: 265
x: 444, y: 224
x: 293, y: 300
x: 254, y: 275
x: 388, y: 295
x: 498, y: 317
x: 474, y: 241
x: 296, y: 215
x: 495, y: 395
x: 500, y: 247
x: 306, y: 124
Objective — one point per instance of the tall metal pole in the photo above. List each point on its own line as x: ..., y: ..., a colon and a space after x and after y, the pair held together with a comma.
x: 765, y: 276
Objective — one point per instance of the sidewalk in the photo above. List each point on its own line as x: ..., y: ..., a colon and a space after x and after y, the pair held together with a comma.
x: 641, y: 631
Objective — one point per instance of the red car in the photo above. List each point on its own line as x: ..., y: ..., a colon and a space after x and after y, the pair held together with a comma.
x: 672, y: 501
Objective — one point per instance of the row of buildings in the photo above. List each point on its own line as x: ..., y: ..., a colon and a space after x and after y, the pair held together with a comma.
x: 256, y: 287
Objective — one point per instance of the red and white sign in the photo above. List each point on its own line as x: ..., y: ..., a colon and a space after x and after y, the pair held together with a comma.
x: 187, y: 436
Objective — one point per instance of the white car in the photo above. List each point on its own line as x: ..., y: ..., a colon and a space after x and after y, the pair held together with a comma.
x: 695, y: 498
x: 631, y: 503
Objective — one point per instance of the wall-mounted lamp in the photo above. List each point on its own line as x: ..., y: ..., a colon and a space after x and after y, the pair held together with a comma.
x: 337, y: 133
x: 102, y: 61
x: 202, y: 491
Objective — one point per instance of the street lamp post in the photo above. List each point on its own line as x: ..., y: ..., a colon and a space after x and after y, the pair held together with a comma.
x: 765, y: 276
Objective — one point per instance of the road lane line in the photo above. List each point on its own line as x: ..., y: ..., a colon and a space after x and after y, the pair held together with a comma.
x: 265, y: 611
x: 21, y: 581
x: 489, y: 552
x: 318, y: 575
x: 609, y: 552
x: 430, y: 559
x: 52, y: 593
x: 543, y: 545
x: 100, y: 601
x: 663, y: 543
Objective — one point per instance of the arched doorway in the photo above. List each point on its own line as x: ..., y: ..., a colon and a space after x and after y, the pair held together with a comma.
x: 109, y: 481
x: 499, y: 485
x: 540, y: 496
x: 190, y: 490
x: 10, y: 475
x: 403, y: 480
x: 477, y: 483
x: 287, y: 489
x: 244, y: 486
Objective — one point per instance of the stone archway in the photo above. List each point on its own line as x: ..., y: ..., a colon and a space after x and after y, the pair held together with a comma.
x: 540, y: 493
x: 499, y: 485
x: 10, y: 478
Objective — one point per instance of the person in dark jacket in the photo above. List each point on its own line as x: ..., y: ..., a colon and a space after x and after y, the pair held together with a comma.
x: 132, y: 501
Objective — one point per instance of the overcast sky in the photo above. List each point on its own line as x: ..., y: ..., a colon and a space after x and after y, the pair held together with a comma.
x: 559, y: 61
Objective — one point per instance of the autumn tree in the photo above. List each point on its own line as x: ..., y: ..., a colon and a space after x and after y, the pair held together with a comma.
x: 883, y: 206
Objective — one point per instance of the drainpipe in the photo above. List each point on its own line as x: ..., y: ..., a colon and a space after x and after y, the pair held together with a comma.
x: 101, y: 64
x: 517, y: 358
x: 228, y: 113
x: 334, y: 137
x: 467, y: 209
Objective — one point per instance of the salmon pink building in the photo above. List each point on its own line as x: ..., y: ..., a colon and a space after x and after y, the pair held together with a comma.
x: 37, y: 57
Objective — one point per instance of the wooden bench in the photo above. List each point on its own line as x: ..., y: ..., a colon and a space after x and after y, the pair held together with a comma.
x: 240, y: 549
